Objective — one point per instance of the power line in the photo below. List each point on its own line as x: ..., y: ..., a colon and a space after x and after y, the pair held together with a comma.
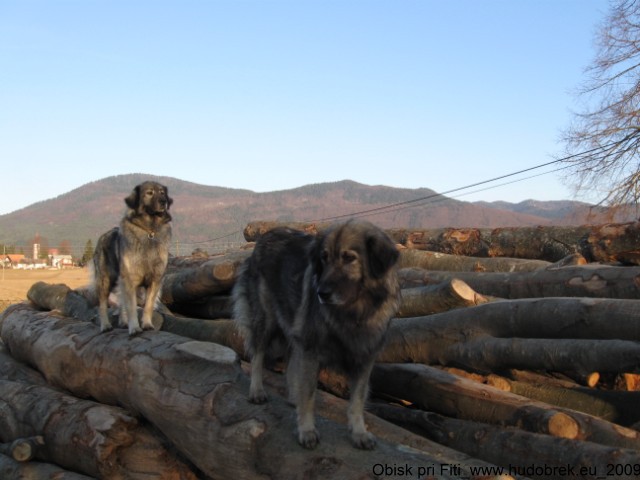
x: 390, y: 207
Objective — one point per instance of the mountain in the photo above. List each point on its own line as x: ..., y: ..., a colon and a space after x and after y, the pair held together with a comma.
x: 210, y: 218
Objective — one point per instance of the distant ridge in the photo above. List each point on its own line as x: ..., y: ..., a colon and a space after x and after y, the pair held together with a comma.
x: 207, y: 217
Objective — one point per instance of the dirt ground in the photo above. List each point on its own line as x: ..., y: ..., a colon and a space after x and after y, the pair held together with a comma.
x: 14, y: 284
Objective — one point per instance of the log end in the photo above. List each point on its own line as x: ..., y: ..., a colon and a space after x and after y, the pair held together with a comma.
x: 562, y: 425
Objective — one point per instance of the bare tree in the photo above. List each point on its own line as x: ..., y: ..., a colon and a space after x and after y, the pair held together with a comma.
x: 603, y: 143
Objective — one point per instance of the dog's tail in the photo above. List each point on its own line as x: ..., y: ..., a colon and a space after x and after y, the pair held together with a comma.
x: 89, y: 291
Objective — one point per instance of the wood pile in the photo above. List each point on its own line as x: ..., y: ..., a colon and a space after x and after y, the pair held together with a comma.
x: 515, y: 354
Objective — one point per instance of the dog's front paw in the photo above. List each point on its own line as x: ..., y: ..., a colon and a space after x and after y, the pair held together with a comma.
x: 363, y: 440
x: 134, y: 330
x: 105, y: 327
x: 148, y: 326
x: 309, y: 439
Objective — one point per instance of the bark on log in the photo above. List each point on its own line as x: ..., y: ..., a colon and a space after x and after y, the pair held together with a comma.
x: 215, y: 276
x: 438, y: 298
x: 85, y: 436
x: 11, y: 469
x: 581, y: 281
x: 555, y: 334
x: 435, y: 390
x: 411, y: 258
x: 222, y: 331
x: 598, y: 243
x: 555, y: 458
x: 193, y: 392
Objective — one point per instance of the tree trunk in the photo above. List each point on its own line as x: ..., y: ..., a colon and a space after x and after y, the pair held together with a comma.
x: 438, y: 298
x: 85, y: 436
x: 552, y: 457
x: 616, y: 242
x: 555, y: 334
x: 193, y: 392
x: 456, y: 263
x: 614, y: 406
x: 453, y: 396
x: 215, y: 276
x: 581, y: 281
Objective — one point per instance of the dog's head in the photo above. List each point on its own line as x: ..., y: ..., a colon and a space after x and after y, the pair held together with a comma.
x: 350, y: 259
x: 150, y: 198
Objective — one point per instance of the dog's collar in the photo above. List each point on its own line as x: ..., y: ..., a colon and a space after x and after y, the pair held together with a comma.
x: 151, y: 234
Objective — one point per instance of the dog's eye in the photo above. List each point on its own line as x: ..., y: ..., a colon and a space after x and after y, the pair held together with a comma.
x: 149, y: 192
x: 348, y: 257
x: 324, y: 256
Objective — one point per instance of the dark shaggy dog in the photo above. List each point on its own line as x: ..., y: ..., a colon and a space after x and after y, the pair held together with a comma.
x: 329, y: 299
x: 134, y: 255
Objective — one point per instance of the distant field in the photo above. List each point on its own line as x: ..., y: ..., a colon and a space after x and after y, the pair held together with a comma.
x: 14, y: 284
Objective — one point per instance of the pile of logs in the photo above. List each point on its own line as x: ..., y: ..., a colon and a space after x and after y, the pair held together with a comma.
x: 515, y: 354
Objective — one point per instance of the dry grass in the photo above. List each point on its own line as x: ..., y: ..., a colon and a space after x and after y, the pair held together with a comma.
x: 14, y: 284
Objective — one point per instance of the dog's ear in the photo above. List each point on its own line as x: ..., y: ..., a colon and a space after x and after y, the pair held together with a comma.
x: 133, y: 199
x: 382, y: 254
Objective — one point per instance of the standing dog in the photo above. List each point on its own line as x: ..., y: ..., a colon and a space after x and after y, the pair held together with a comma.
x: 133, y: 255
x: 329, y: 298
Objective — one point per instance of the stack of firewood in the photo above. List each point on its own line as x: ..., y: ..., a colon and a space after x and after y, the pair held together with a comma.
x: 516, y: 352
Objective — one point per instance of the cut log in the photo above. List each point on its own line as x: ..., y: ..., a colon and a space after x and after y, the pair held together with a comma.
x: 215, y: 276
x: 519, y: 451
x: 222, y: 332
x: 555, y: 334
x: 616, y: 407
x: 22, y: 449
x: 580, y: 281
x: 453, y: 396
x: 411, y: 258
x: 617, y: 242
x: 255, y: 230
x: 85, y: 436
x: 438, y: 298
x: 533, y: 243
x: 193, y: 392
x: 11, y: 469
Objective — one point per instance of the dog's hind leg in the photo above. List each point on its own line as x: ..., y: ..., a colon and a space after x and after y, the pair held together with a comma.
x: 103, y: 313
x: 102, y: 292
x: 359, y: 386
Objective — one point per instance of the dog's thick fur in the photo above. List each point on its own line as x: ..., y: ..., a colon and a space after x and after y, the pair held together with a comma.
x: 327, y: 299
x: 134, y: 255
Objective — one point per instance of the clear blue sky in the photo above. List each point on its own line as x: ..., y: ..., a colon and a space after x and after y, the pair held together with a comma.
x: 274, y: 94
